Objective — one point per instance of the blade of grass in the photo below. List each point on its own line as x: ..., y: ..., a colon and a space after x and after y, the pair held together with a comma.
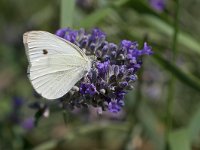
x: 184, y: 77
x: 67, y: 13
x: 161, y: 26
x: 167, y: 29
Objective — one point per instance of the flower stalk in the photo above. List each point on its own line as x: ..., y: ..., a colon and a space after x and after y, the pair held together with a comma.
x: 171, y: 87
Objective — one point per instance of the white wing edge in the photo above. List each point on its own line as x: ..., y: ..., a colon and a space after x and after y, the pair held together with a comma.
x: 25, y: 41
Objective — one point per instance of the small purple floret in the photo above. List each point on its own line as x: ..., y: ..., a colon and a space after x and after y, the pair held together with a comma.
x: 158, y: 5
x: 87, y: 89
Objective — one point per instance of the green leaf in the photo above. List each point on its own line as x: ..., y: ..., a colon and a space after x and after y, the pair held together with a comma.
x: 67, y: 13
x: 179, y: 140
x: 167, y: 29
x: 95, y: 17
x: 186, y: 78
x: 194, y: 126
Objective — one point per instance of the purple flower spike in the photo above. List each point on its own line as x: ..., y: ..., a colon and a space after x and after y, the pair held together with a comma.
x: 112, y: 74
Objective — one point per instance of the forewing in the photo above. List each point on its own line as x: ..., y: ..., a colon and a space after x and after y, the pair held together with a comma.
x: 55, y: 65
x: 39, y: 43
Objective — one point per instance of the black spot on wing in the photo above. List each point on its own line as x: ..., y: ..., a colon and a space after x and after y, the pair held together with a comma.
x: 45, y: 51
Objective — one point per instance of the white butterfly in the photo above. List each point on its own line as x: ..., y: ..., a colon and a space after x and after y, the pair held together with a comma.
x: 55, y: 65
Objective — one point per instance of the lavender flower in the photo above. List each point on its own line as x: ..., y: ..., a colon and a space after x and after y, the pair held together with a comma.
x: 16, y: 115
x: 17, y: 103
x: 113, y: 72
x: 28, y: 123
x: 157, y: 5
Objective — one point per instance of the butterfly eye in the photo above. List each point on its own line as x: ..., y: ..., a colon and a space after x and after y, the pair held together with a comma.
x: 45, y: 51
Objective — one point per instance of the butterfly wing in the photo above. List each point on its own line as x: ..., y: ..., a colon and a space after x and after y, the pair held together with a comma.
x: 55, y: 64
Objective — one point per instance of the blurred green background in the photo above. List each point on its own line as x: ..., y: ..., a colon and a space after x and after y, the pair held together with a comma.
x: 162, y: 112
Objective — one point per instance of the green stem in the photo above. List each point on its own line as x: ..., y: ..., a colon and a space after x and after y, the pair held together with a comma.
x: 170, y: 98
x: 176, y: 25
x: 67, y: 13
